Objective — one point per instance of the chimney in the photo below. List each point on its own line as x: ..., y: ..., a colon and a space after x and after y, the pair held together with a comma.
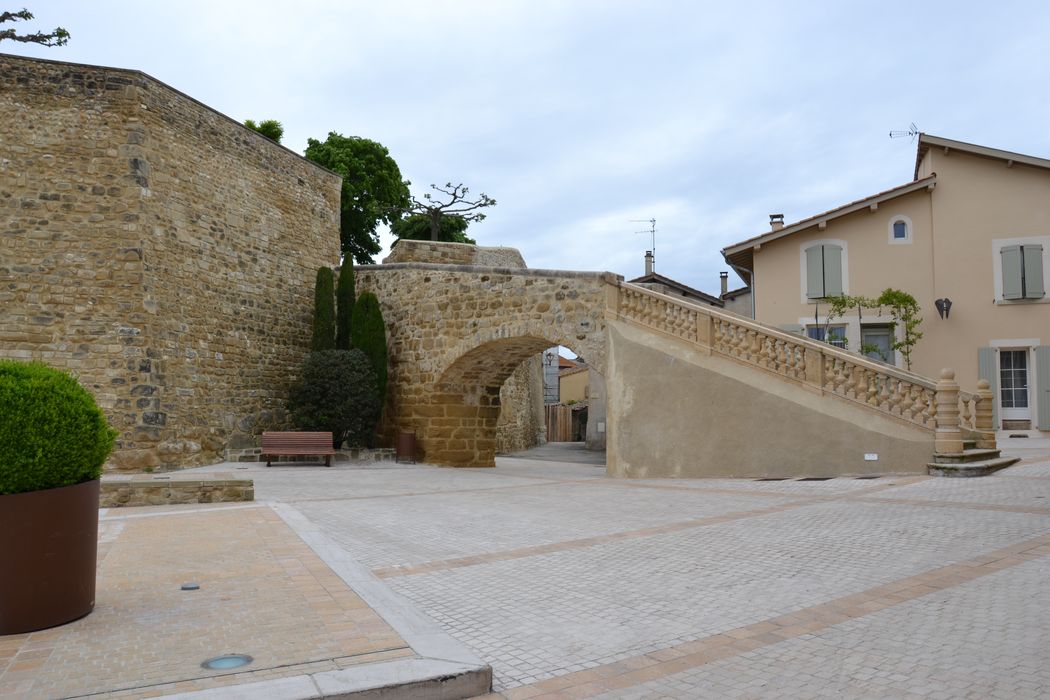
x: 776, y: 221
x: 724, y: 278
x: 648, y: 262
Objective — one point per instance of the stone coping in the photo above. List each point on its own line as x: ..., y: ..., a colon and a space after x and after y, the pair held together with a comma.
x: 610, y: 277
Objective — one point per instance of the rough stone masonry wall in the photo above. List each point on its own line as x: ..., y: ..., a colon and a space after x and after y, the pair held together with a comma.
x: 469, y: 326
x: 158, y: 249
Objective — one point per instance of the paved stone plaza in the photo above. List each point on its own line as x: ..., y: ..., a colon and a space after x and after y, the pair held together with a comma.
x: 574, y: 585
x: 571, y: 584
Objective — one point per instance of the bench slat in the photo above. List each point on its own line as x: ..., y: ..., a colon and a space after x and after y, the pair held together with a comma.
x: 306, y: 444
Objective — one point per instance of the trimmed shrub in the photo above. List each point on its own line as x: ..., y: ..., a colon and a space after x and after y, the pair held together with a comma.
x: 324, y: 311
x: 52, y: 433
x: 369, y: 336
x: 337, y: 393
x: 344, y: 304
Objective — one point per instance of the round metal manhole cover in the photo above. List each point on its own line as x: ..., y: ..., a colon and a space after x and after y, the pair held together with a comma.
x: 227, y: 661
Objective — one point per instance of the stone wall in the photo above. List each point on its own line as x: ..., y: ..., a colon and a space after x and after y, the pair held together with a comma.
x: 148, y: 491
x: 458, y: 333
x: 454, y: 254
x: 159, y: 250
x: 520, y: 424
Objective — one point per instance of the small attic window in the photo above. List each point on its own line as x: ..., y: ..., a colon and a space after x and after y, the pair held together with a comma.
x: 900, y: 229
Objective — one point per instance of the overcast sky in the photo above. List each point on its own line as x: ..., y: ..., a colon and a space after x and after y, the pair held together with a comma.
x: 579, y: 116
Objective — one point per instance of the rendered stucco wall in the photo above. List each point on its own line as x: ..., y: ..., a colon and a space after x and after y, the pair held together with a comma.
x: 717, y: 418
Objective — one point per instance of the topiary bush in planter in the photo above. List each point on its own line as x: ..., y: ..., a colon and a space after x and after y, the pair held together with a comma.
x: 337, y: 393
x: 51, y: 431
x: 53, y: 442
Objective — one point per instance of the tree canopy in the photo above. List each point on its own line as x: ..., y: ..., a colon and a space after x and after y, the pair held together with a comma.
x: 57, y: 37
x: 373, y: 190
x: 416, y: 227
x: 459, y: 205
x: 270, y: 128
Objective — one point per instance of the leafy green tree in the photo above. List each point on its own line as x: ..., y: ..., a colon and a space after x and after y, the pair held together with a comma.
x: 337, y: 393
x: 904, y: 310
x: 270, y: 128
x: 373, y: 191
x: 324, y: 311
x: 458, y: 204
x: 416, y: 227
x: 344, y: 305
x: 58, y: 37
x: 369, y: 336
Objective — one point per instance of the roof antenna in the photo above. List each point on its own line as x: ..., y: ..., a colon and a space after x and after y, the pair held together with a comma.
x: 651, y: 232
x: 912, y: 132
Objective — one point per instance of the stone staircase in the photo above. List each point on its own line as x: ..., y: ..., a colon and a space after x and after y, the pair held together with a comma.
x: 959, y: 423
x: 972, y: 461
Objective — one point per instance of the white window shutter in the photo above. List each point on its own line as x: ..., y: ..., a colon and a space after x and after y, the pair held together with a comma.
x: 832, y: 271
x: 988, y: 368
x: 815, y: 272
x: 1012, y: 266
x: 1033, y: 271
x: 1042, y: 386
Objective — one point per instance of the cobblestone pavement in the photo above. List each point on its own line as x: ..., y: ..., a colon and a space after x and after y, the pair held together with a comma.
x: 573, y: 585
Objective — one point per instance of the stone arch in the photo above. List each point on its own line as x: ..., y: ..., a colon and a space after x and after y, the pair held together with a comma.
x: 465, y: 405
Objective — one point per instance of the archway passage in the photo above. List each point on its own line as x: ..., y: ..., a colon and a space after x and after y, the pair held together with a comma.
x: 464, y: 411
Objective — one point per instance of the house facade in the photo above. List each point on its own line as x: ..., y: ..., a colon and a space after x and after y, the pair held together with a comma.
x: 968, y: 237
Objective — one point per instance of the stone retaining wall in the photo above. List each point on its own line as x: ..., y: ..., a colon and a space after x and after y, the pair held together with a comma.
x: 156, y: 492
x: 161, y: 251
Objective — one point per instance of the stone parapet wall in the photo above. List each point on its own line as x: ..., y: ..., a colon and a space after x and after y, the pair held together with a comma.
x: 153, y: 492
x: 159, y: 250
x: 454, y: 254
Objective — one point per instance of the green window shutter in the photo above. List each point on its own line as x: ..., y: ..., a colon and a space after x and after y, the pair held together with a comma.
x: 1033, y: 271
x: 1042, y: 386
x: 815, y: 272
x: 1012, y: 266
x: 832, y: 271
x: 988, y: 368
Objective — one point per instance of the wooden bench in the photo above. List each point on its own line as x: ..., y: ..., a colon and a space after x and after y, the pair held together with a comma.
x: 320, y: 444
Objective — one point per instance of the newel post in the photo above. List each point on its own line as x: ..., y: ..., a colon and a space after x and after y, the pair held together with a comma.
x: 983, y: 419
x: 948, y: 436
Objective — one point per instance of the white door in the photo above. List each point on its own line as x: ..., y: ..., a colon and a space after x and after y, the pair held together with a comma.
x: 1013, y: 385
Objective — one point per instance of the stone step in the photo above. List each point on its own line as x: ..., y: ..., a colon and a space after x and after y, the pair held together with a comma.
x: 967, y: 469
x: 965, y: 456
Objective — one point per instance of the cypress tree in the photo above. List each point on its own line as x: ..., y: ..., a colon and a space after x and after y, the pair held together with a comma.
x: 344, y: 304
x: 369, y: 336
x: 324, y: 311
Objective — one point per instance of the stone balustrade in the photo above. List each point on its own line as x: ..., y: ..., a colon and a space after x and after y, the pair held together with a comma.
x: 937, y: 406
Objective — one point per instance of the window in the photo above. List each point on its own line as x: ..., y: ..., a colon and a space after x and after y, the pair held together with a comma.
x: 900, y: 229
x: 835, y: 335
x: 823, y: 271
x: 876, y: 342
x: 1022, y: 271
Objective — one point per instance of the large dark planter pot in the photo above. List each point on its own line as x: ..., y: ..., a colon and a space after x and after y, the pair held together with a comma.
x: 48, y: 547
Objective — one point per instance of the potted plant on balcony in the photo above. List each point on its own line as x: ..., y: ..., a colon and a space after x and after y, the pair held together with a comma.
x: 53, y: 442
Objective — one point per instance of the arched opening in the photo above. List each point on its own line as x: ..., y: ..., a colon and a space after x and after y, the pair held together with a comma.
x: 464, y: 411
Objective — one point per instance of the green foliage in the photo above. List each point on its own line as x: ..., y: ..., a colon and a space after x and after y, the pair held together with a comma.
x: 344, y: 305
x: 416, y: 227
x: 58, y: 37
x: 337, y: 393
x: 373, y: 190
x: 51, y: 432
x: 904, y: 310
x: 270, y: 128
x: 369, y: 335
x: 324, y: 311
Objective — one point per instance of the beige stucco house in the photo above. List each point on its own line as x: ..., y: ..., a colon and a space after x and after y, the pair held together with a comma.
x: 968, y: 237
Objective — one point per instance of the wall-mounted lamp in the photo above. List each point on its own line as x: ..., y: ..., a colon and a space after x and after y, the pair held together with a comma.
x: 550, y: 358
x: 944, y: 306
